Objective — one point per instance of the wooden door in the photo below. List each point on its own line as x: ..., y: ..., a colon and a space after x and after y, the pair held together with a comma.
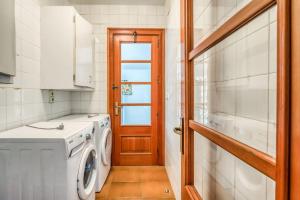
x: 136, y: 98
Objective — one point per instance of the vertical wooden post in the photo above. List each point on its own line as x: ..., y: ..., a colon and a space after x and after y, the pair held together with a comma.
x: 283, y: 99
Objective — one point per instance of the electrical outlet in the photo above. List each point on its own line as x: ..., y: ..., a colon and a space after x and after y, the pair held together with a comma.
x: 51, y: 96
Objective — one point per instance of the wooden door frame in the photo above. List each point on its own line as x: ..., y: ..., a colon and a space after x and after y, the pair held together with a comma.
x: 295, y: 101
x: 111, y: 33
x: 275, y: 168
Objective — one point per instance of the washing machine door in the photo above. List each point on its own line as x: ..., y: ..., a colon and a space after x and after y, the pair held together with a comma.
x: 106, y: 146
x: 87, y: 172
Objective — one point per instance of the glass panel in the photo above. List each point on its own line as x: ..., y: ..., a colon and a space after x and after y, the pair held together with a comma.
x: 220, y: 175
x: 210, y: 14
x: 136, y: 72
x: 136, y: 115
x: 235, y: 85
x: 136, y: 51
x: 89, y: 169
x: 136, y: 93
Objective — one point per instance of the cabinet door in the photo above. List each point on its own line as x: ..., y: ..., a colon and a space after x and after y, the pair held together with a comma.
x: 7, y: 37
x: 84, y: 53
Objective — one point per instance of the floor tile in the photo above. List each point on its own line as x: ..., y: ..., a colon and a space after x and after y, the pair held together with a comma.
x: 120, y: 189
x: 156, y: 189
x: 136, y: 183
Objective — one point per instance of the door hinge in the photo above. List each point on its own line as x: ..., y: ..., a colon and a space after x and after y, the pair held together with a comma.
x: 74, y: 77
x: 74, y: 19
x: 157, y: 114
x: 158, y: 43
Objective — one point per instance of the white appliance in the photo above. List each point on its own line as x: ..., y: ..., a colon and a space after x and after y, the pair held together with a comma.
x: 103, y: 141
x: 48, y: 164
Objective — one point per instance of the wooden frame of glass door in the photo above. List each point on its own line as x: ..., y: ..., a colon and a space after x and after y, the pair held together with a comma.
x: 277, y: 169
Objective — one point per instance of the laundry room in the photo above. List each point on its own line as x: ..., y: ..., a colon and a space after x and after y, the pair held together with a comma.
x: 149, y: 99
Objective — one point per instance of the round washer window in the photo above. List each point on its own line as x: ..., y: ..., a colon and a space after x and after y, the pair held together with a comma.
x: 88, y: 170
x: 87, y: 173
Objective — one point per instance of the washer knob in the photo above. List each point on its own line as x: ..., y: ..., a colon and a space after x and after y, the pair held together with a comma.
x: 88, y: 137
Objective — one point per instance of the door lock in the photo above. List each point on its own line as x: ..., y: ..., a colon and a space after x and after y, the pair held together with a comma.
x: 116, y: 108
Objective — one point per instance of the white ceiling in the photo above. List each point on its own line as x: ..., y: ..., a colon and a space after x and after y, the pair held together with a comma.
x: 120, y: 2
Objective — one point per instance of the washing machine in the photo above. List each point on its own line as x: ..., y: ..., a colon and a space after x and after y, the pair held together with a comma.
x: 103, y: 141
x: 48, y: 160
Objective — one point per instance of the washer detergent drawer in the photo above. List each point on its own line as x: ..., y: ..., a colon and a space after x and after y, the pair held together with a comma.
x: 75, y: 145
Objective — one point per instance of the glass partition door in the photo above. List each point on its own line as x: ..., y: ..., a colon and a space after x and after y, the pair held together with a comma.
x: 235, y: 135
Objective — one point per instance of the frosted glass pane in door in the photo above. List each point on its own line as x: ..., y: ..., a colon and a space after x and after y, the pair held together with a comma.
x: 136, y: 51
x: 219, y: 175
x: 136, y: 93
x: 235, y: 84
x: 211, y: 14
x: 136, y: 115
x: 136, y: 72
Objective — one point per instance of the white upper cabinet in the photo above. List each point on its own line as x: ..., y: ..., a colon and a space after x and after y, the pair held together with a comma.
x: 7, y: 38
x: 84, y: 53
x: 66, y: 50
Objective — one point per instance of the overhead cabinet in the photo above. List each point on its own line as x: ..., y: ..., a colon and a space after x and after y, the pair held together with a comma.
x: 7, y: 39
x: 67, y: 46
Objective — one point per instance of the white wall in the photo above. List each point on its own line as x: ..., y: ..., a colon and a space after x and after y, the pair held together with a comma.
x: 102, y: 17
x: 23, y: 102
x: 173, y: 95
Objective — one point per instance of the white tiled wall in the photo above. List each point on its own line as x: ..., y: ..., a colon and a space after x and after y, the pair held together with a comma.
x: 173, y: 94
x: 23, y: 102
x: 102, y: 17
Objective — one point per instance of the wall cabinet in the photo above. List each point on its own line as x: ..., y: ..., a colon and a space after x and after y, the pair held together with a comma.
x: 7, y: 38
x: 67, y: 61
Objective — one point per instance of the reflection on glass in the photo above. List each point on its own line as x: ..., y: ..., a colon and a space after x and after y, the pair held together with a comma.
x: 136, y: 51
x: 136, y: 115
x: 136, y: 72
x: 209, y: 15
x: 235, y: 85
x: 221, y: 175
x: 132, y: 93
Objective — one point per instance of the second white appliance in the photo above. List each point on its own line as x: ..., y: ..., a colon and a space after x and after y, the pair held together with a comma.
x: 103, y: 141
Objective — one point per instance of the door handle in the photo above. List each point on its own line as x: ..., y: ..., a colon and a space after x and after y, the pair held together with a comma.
x: 116, y: 108
x: 177, y: 130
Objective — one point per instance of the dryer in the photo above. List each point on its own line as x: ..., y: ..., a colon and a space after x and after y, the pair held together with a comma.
x: 47, y: 163
x: 103, y: 141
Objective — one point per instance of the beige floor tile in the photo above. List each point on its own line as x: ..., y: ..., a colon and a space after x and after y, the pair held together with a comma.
x: 121, y: 190
x: 125, y: 175
x: 156, y: 189
x: 154, y: 174
x: 136, y: 183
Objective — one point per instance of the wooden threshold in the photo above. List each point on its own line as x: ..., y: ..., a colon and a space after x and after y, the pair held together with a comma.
x: 246, y: 14
x: 257, y: 159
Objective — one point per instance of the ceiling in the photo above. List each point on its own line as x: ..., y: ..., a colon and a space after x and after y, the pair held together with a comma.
x: 119, y: 2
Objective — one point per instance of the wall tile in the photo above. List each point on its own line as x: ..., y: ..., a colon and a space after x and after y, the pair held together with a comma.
x: 249, y: 182
x: 257, y: 52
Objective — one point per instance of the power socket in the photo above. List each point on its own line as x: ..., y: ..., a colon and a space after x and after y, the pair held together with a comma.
x: 51, y: 96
